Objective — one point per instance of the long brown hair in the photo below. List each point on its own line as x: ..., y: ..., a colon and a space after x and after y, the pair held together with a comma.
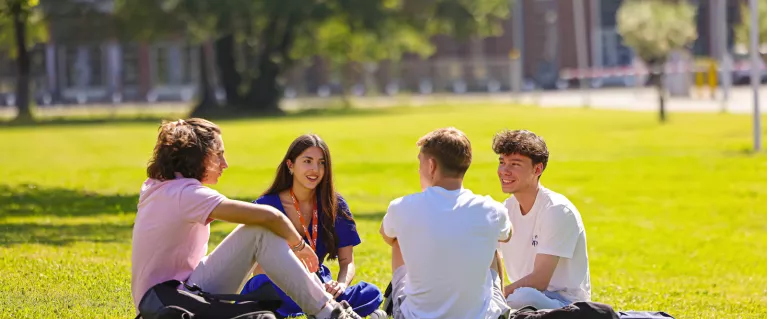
x: 183, y: 147
x: 325, y: 191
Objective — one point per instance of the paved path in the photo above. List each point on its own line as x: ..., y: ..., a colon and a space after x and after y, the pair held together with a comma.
x: 639, y: 99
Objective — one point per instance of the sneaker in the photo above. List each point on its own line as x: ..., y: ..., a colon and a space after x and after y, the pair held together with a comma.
x: 344, y: 311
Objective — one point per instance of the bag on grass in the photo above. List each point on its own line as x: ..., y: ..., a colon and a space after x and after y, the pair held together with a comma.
x: 577, y: 310
x: 166, y: 301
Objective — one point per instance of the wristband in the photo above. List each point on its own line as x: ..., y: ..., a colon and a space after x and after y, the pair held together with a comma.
x: 298, y: 247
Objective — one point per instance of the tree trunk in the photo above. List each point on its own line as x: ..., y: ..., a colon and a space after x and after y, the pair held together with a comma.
x: 22, y: 64
x: 230, y: 78
x: 661, y: 97
x: 265, y: 93
x: 208, y: 103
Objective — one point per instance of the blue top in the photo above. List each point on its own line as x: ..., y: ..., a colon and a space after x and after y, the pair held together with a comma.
x: 346, y: 229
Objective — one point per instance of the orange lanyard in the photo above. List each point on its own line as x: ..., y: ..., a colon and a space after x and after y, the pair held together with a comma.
x: 313, y: 241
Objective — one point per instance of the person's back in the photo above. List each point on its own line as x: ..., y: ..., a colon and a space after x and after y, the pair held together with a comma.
x: 444, y: 238
x: 447, y: 240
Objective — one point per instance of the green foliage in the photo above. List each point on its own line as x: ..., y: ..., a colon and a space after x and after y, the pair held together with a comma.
x: 341, y: 29
x: 654, y: 28
x: 339, y: 44
x: 37, y: 31
x: 743, y: 30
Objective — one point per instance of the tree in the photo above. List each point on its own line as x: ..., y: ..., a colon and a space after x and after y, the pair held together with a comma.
x: 21, y: 26
x: 743, y: 30
x: 257, y: 41
x: 655, y: 28
x: 148, y: 20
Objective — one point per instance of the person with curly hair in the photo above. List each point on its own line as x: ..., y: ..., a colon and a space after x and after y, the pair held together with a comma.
x: 172, y: 227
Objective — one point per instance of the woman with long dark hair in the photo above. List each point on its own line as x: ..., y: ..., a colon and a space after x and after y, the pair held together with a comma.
x: 171, y: 231
x: 303, y: 190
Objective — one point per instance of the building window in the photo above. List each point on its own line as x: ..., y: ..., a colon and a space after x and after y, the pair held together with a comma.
x: 162, y: 68
x: 130, y: 67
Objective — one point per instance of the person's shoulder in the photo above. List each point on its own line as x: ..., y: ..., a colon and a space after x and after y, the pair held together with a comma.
x: 559, y: 206
x: 555, y: 199
x: 342, y: 204
x: 185, y: 185
x: 405, y: 201
x: 268, y: 199
x: 488, y: 202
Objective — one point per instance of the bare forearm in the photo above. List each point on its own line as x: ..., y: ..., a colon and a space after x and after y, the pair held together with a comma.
x: 245, y: 213
x: 530, y: 280
x: 346, y: 272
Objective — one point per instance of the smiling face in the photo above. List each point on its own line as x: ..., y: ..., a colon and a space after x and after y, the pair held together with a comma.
x: 308, y: 168
x: 518, y: 173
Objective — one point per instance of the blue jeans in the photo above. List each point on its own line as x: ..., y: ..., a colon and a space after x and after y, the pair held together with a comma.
x: 526, y: 296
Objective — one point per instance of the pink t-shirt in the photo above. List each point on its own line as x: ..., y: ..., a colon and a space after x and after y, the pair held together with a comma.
x: 171, y: 231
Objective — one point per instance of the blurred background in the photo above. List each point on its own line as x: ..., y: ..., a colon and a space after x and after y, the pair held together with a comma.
x: 253, y: 56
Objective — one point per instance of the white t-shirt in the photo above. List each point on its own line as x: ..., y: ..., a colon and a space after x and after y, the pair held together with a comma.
x: 553, y: 227
x: 447, y: 239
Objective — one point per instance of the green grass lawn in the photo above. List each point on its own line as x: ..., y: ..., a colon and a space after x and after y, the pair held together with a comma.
x: 676, y: 214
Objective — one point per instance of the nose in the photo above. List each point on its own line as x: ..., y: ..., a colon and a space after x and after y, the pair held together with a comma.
x: 224, y: 164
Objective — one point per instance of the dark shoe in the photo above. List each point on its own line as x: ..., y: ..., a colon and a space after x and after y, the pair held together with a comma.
x: 344, y: 311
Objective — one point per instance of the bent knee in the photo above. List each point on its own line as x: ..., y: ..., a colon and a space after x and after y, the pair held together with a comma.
x: 524, y: 296
x: 258, y: 234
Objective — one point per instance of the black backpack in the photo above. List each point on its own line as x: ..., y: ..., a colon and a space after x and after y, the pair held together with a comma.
x: 585, y: 309
x: 577, y: 310
x: 166, y: 301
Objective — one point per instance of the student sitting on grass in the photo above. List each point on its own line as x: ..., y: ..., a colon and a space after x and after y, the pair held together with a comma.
x: 172, y: 227
x: 303, y: 190
x: 444, y: 238
x: 546, y: 259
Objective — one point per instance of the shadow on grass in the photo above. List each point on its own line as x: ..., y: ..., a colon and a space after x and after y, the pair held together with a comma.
x: 33, y: 200
x: 61, y: 235
x: 66, y: 121
x: 23, y: 201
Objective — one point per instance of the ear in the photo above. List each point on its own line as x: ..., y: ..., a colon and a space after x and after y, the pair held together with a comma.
x: 432, y: 166
x: 538, y: 169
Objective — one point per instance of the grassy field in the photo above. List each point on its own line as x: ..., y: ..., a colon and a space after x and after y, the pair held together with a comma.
x: 675, y: 213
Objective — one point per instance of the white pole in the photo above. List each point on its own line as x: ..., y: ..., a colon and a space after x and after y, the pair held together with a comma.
x: 755, y: 73
x: 581, y: 43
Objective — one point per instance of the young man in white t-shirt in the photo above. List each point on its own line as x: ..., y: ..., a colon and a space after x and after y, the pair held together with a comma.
x: 444, y: 239
x: 546, y: 260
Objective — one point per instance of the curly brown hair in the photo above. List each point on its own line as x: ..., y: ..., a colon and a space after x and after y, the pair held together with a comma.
x: 184, y: 147
x: 450, y: 148
x: 522, y: 142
